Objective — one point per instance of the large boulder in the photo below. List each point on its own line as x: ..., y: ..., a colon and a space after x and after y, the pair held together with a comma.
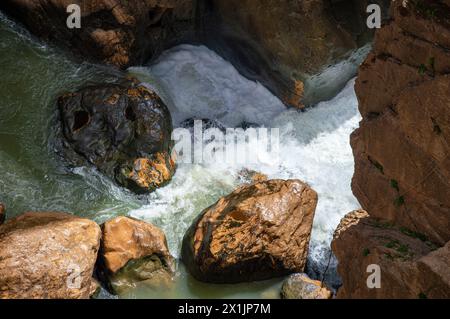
x: 133, y: 251
x: 47, y: 255
x: 292, y: 46
x: 117, y: 32
x: 257, y: 232
x: 410, y: 265
x: 122, y: 129
x: 300, y: 286
x: 2, y: 213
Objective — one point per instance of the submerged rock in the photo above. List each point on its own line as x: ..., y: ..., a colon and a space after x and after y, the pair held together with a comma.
x: 257, y: 232
x: 121, y: 33
x: 300, y: 286
x: 47, y: 255
x: 122, y: 129
x: 134, y: 251
x: 410, y: 265
x: 2, y: 213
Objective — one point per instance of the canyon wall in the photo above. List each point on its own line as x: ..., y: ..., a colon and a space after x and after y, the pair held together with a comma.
x: 290, y: 46
x: 402, y: 167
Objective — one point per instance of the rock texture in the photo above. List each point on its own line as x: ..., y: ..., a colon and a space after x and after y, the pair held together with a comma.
x: 117, y: 32
x: 257, y: 232
x: 402, y: 166
x: 289, y: 45
x: 300, y: 286
x: 47, y: 255
x: 411, y: 266
x: 401, y: 147
x: 2, y: 213
x: 122, y: 129
x: 134, y: 251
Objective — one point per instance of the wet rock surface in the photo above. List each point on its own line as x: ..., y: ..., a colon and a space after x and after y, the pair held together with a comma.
x: 117, y: 32
x: 47, y: 255
x: 122, y: 129
x: 134, y: 252
x: 259, y: 231
x: 289, y: 45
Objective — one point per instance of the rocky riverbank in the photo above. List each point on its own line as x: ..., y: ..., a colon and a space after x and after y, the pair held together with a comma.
x: 402, y: 164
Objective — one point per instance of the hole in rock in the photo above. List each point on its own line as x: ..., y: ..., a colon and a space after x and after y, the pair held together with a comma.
x: 81, y: 118
x: 129, y: 114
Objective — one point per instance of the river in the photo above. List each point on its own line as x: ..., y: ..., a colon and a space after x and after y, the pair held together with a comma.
x: 194, y: 82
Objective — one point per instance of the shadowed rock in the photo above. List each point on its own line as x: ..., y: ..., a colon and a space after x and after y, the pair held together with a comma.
x: 122, y: 129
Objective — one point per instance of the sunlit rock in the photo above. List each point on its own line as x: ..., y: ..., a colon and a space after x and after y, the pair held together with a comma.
x: 47, y: 255
x: 259, y: 231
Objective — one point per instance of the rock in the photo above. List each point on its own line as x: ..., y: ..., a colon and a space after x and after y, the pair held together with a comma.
x: 401, y: 148
x: 257, y: 232
x: 411, y: 266
x: 300, y: 286
x: 134, y: 251
x: 47, y: 255
x: 2, y: 213
x: 247, y: 176
x: 290, y: 46
x: 121, y: 33
x: 122, y: 129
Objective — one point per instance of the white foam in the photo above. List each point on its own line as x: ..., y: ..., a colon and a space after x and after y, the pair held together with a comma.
x: 314, y: 145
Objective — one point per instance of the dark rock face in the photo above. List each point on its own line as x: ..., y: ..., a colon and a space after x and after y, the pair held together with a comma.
x: 259, y: 231
x: 289, y: 45
x: 122, y: 129
x: 117, y: 32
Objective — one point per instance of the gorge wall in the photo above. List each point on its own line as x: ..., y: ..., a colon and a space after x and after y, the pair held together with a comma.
x: 290, y: 46
x: 402, y: 167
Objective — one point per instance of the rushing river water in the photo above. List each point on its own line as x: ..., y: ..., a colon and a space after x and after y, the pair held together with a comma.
x: 194, y: 82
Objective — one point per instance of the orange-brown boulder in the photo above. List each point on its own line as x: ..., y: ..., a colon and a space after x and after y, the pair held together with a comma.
x: 300, y: 286
x: 410, y: 265
x: 257, y: 232
x: 47, y: 255
x: 132, y: 252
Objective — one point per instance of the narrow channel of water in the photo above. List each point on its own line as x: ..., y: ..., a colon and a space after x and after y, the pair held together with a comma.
x: 194, y: 82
